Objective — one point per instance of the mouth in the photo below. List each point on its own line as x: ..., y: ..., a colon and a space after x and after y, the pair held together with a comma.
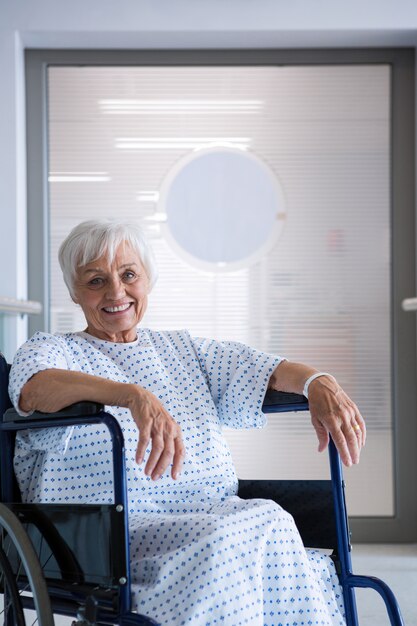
x: 121, y: 308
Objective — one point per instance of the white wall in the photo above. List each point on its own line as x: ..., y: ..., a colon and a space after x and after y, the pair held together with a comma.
x: 157, y: 24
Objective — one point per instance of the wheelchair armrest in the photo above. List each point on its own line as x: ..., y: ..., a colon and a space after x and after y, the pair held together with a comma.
x: 274, y: 402
x: 73, y: 410
x: 281, y: 401
x: 79, y: 414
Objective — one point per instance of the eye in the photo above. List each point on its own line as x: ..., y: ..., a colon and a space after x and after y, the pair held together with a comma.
x: 129, y: 275
x: 96, y: 282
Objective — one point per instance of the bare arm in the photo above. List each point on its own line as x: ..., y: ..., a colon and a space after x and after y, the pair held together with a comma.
x: 332, y: 411
x: 54, y: 389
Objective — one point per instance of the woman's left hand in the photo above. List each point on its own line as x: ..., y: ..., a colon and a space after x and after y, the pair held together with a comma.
x: 333, y: 412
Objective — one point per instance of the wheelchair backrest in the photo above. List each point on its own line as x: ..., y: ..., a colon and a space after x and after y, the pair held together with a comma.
x: 7, y: 439
x: 4, y: 384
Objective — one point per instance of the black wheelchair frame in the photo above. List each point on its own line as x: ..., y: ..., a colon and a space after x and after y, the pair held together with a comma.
x: 74, y: 559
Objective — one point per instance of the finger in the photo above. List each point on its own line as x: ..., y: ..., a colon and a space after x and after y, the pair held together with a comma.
x: 360, y: 435
x: 361, y: 423
x: 322, y: 435
x: 341, y: 444
x: 158, y: 446
x: 144, y: 439
x: 178, y: 457
x: 358, y: 425
x: 351, y: 436
x: 164, y: 460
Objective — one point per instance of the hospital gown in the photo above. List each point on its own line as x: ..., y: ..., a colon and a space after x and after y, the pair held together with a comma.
x: 199, y: 554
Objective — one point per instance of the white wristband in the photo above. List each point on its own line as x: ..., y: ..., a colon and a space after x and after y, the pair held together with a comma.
x: 310, y: 380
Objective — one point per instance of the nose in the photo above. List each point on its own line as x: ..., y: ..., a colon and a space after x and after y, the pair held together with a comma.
x: 115, y: 288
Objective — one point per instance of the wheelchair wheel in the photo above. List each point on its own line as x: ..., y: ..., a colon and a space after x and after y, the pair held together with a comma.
x: 21, y: 579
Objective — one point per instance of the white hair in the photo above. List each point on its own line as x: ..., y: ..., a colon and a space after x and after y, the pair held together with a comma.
x: 95, y: 238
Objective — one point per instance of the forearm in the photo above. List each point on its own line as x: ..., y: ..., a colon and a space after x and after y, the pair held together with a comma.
x: 290, y: 377
x: 53, y: 389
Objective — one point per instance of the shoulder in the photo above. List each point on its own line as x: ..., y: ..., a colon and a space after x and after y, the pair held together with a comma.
x: 41, y: 351
x: 58, y: 349
x: 42, y: 339
x: 177, y: 340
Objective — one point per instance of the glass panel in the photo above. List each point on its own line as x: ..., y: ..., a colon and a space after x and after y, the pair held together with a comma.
x: 320, y: 293
x: 2, y: 333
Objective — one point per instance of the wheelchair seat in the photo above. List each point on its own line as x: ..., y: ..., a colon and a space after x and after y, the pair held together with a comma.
x: 74, y: 559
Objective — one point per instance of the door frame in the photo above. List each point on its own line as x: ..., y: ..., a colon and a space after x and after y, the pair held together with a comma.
x: 402, y: 527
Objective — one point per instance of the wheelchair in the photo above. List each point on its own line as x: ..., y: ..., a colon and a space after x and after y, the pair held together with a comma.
x: 74, y: 560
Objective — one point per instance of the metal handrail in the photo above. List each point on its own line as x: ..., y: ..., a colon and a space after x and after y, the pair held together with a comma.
x: 409, y: 304
x: 17, y: 306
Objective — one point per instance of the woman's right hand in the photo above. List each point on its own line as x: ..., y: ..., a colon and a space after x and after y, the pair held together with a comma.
x: 53, y: 389
x: 157, y: 426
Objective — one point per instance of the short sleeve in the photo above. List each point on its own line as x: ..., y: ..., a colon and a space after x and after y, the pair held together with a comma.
x: 43, y: 351
x: 238, y: 378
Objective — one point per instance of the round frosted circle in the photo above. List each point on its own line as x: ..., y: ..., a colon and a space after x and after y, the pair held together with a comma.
x: 222, y: 206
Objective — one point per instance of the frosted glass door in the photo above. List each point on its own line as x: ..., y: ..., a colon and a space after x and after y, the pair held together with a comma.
x: 318, y: 291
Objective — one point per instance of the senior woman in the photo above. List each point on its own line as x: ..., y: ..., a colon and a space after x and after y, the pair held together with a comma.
x: 200, y: 555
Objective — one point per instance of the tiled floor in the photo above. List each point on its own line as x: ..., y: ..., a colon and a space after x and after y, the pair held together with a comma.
x: 397, y: 566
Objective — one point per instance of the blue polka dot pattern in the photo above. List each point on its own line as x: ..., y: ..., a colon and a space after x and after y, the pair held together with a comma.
x: 199, y: 554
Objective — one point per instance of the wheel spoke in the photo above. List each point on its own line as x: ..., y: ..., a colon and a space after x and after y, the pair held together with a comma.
x: 47, y: 561
x: 18, y: 573
x: 6, y: 542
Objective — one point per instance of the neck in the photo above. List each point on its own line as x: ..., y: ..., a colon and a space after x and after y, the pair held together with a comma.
x: 125, y: 336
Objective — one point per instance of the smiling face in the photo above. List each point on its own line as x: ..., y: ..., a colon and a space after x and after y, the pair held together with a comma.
x: 113, y: 296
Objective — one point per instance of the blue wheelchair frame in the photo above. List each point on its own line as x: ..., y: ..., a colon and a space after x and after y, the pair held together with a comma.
x: 94, y: 414
x: 347, y: 578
